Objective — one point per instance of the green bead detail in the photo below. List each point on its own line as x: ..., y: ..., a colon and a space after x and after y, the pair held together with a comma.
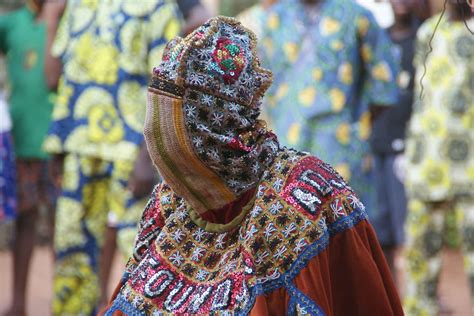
x: 233, y: 49
x: 228, y: 64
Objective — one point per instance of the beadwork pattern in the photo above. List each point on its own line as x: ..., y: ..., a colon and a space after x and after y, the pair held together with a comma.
x: 215, y: 128
x: 217, y: 73
x: 178, y: 267
x: 219, y: 58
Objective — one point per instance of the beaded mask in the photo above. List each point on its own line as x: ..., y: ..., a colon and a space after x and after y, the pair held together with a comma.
x: 201, y: 126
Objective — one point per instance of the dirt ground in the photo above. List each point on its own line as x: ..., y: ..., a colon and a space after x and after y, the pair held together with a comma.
x: 40, y: 287
x: 454, y: 287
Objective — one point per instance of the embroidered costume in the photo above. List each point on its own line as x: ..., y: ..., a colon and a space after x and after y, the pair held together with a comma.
x: 297, y: 240
x: 106, y: 48
x: 344, y: 64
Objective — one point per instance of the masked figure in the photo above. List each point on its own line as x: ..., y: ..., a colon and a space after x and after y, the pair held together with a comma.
x: 241, y: 225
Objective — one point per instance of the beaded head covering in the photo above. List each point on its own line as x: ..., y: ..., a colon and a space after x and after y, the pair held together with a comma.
x: 201, y: 128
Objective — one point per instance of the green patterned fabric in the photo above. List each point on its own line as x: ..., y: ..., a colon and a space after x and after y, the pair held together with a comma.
x: 23, y: 39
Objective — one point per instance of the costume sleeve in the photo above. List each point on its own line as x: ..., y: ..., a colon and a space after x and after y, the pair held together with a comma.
x: 351, y: 276
x: 381, y: 62
x: 164, y: 25
x: 61, y: 39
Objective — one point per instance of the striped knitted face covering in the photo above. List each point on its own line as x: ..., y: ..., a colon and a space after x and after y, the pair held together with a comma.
x: 202, y: 128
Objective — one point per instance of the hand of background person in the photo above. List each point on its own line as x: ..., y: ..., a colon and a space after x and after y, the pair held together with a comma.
x: 400, y: 167
x: 367, y: 163
x: 144, y: 175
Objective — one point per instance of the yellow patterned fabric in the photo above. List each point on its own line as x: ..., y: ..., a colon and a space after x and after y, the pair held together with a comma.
x: 440, y: 144
x: 108, y: 49
x: 440, y: 152
x: 91, y: 189
x: 430, y: 228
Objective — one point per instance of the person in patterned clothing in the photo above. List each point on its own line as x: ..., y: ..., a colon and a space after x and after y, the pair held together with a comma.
x: 25, y: 180
x: 346, y: 68
x: 241, y: 225
x: 440, y: 159
x: 105, y: 50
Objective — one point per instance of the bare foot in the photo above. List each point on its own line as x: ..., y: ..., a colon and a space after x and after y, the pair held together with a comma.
x: 102, y: 304
x: 444, y: 309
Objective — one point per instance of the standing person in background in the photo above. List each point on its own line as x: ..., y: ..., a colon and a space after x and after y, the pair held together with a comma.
x: 345, y: 70
x: 388, y: 139
x: 23, y: 39
x: 105, y: 50
x: 440, y: 157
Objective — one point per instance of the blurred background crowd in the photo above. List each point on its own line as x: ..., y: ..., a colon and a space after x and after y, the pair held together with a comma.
x: 365, y: 85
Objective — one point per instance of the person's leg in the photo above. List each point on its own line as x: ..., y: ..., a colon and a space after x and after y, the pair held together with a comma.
x: 28, y: 177
x: 124, y: 214
x: 130, y: 209
x: 116, y: 197
x: 80, y: 226
x: 49, y: 193
x: 465, y: 209
x: 389, y: 253
x: 397, y: 201
x: 128, y: 227
x: 424, y: 244
x: 380, y: 217
x: 105, y: 264
x: 397, y: 209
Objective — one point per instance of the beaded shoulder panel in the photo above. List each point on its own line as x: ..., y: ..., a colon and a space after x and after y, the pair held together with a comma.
x: 180, y: 268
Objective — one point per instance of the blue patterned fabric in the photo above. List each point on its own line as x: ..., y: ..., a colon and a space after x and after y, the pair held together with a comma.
x: 8, y: 201
x: 344, y: 62
x: 108, y: 50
